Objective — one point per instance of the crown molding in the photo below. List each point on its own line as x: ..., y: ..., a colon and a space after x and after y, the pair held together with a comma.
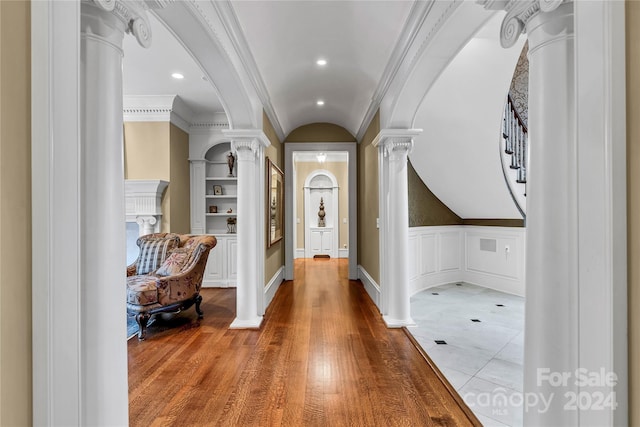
x: 170, y: 108
x: 229, y: 19
x: 412, y: 26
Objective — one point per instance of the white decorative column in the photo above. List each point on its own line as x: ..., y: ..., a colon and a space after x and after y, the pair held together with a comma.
x: 249, y: 147
x: 103, y: 332
x: 575, y: 255
x: 394, y: 146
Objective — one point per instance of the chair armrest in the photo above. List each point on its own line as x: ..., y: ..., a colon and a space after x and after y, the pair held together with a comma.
x: 131, y: 270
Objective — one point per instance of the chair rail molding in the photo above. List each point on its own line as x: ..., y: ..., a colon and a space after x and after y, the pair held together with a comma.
x: 143, y: 203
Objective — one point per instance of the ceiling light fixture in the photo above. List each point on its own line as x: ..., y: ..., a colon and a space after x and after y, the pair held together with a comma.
x: 321, y: 157
x: 321, y: 62
x: 177, y: 76
x: 320, y: 102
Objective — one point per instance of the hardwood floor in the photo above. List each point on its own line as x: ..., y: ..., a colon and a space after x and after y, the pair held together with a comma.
x: 323, y: 357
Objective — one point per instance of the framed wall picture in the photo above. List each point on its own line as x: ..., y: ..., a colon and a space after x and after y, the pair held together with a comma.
x: 213, y: 209
x: 217, y: 190
x: 275, y: 204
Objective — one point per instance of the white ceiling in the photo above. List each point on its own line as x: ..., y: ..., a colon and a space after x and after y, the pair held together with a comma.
x: 285, y: 39
x: 148, y: 72
x: 355, y: 37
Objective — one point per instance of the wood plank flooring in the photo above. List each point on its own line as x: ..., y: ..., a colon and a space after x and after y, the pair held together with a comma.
x: 323, y: 357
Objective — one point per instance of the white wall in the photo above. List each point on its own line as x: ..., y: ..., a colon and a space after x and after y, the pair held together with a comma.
x: 456, y: 254
x: 457, y: 154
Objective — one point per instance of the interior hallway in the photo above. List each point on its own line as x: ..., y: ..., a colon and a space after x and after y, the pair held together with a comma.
x: 322, y: 357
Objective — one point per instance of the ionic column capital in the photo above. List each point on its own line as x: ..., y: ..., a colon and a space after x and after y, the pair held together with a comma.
x: 132, y: 14
x: 396, y: 144
x: 247, y: 143
x: 519, y: 14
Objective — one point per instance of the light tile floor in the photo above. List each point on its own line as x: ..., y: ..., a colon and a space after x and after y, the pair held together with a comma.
x: 482, y: 360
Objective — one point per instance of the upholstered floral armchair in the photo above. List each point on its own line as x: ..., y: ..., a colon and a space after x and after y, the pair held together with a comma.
x: 167, y: 275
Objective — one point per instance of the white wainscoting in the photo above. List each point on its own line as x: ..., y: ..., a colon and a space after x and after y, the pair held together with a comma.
x: 493, y: 257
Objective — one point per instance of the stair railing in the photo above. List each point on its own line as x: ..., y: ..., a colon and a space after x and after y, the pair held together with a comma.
x: 516, y: 137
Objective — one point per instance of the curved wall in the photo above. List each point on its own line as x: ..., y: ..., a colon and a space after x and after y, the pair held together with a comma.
x: 457, y: 154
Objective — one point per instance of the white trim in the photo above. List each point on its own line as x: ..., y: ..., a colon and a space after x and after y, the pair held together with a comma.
x: 157, y: 108
x: 410, y: 29
x: 299, y: 253
x: 273, y: 286
x: 234, y: 30
x: 343, y: 253
x: 601, y: 174
x: 370, y: 285
x: 55, y: 169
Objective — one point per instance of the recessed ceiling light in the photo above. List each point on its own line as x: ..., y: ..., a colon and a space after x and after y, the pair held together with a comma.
x: 321, y: 62
x: 177, y: 76
x: 320, y: 102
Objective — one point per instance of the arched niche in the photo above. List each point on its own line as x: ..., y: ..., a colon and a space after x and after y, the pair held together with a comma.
x: 321, y: 240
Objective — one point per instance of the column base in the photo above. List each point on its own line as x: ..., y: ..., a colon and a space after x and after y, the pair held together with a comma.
x: 246, y: 323
x: 398, y: 323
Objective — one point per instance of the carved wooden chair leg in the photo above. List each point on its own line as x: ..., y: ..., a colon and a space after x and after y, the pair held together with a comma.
x: 142, y: 319
x: 198, y: 301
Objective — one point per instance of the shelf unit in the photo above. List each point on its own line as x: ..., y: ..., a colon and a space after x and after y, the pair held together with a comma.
x: 221, y: 190
x: 206, y: 173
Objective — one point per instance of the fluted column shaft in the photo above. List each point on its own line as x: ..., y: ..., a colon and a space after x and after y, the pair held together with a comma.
x: 552, y: 214
x: 394, y: 147
x: 250, y: 283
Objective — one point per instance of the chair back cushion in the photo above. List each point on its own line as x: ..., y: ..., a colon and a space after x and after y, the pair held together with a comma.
x: 153, y: 252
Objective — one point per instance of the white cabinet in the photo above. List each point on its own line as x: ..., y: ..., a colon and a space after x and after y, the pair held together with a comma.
x: 221, y: 271
x: 214, y: 199
x: 321, y: 241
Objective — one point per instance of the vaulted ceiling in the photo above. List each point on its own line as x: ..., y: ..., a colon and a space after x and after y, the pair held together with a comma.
x: 369, y: 47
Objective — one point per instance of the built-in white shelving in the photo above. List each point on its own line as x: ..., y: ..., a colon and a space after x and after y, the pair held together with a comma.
x: 212, y: 186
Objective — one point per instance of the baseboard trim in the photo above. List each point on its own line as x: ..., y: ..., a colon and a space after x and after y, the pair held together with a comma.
x: 299, y: 253
x: 272, y: 287
x: 370, y: 285
x: 343, y: 253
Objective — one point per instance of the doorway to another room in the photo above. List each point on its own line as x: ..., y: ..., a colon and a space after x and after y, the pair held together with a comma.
x: 321, y: 203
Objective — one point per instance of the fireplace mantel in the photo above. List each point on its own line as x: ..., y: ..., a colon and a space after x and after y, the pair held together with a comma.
x: 143, y: 203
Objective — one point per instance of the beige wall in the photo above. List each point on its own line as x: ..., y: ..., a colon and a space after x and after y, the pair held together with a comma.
x: 633, y: 204
x: 320, y: 132
x: 180, y: 179
x: 341, y: 172
x: 424, y: 207
x: 160, y: 150
x: 15, y: 214
x: 275, y: 254
x: 368, y: 233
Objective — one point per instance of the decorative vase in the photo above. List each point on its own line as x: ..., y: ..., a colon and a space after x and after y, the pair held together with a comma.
x: 321, y: 213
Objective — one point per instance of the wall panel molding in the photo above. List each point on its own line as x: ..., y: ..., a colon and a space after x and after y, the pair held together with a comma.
x: 446, y: 254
